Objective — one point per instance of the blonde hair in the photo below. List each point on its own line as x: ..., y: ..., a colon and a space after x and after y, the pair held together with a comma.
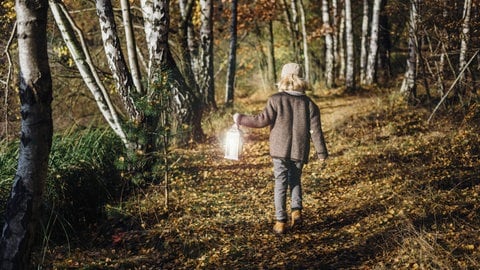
x: 292, y: 82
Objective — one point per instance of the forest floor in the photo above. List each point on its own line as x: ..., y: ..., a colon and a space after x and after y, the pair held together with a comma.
x: 396, y: 193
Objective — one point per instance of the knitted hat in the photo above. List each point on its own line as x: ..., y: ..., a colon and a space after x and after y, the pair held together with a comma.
x: 292, y: 69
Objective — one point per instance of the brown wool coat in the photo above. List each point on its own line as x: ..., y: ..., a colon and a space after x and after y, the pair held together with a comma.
x: 293, y: 120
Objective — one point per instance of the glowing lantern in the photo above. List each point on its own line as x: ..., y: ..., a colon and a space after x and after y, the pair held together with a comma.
x: 233, y: 143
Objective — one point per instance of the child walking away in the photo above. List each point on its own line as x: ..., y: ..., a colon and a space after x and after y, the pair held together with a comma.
x: 293, y: 119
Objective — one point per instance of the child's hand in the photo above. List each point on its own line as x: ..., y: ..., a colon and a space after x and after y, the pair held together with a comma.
x: 235, y: 118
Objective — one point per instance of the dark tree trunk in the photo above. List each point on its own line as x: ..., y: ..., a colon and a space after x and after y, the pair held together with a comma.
x: 232, y: 57
x: 384, y: 71
x: 24, y: 205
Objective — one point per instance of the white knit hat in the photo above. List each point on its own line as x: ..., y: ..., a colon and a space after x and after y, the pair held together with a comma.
x: 292, y: 69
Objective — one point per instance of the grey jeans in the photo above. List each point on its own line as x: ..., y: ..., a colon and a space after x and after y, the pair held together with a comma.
x: 287, y: 173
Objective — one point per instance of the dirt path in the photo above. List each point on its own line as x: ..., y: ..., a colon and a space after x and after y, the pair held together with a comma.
x: 384, y: 201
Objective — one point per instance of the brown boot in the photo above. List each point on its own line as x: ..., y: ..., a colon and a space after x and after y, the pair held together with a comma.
x: 280, y: 227
x: 296, y: 217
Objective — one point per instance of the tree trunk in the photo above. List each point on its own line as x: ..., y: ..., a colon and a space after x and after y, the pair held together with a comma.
x: 465, y: 37
x: 292, y: 27
x: 205, y: 79
x: 272, y: 74
x: 341, y: 46
x: 116, y: 60
x: 384, y: 70
x: 350, y: 66
x: 363, y: 44
x: 232, y: 57
x: 373, y: 51
x: 184, y: 109
x: 305, y: 41
x: 409, y: 82
x: 186, y: 8
x: 35, y: 89
x: 131, y: 45
x: 335, y: 36
x: 329, y: 53
x: 81, y: 56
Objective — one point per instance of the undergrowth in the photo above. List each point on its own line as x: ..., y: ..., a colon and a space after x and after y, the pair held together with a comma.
x: 82, y: 177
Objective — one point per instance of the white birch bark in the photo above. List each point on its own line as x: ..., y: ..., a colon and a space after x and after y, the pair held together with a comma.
x: 409, y: 80
x: 341, y: 46
x: 115, y: 58
x: 329, y: 52
x: 81, y: 56
x: 363, y: 43
x: 465, y: 37
x: 205, y: 79
x: 350, y: 63
x: 147, y: 13
x: 131, y: 45
x: 305, y: 42
x: 373, y: 49
x: 23, y: 207
x: 335, y: 37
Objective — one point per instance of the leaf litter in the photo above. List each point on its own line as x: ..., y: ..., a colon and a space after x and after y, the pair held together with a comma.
x: 397, y: 193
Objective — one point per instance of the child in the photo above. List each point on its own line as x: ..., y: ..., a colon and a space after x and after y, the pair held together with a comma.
x: 293, y: 119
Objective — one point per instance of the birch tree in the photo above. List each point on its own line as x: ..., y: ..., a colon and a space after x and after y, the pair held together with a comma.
x: 409, y: 81
x: 329, y: 52
x: 292, y: 26
x: 341, y: 45
x: 75, y: 42
x: 363, y: 43
x: 186, y: 36
x: 23, y: 206
x: 350, y: 61
x: 205, y: 73
x: 465, y: 36
x: 304, y: 39
x: 373, y: 49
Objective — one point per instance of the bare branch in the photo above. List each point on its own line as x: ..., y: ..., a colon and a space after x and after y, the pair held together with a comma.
x: 459, y: 76
x: 9, y: 75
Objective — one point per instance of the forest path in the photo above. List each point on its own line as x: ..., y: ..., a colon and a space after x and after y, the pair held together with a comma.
x: 387, y: 199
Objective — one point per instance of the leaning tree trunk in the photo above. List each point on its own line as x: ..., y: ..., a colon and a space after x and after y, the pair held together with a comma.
x: 232, y: 57
x: 116, y: 60
x: 81, y: 56
x: 23, y: 207
x: 131, y: 45
x: 350, y: 65
x: 329, y: 53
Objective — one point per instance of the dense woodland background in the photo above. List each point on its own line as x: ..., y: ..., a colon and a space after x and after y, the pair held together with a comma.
x: 143, y: 91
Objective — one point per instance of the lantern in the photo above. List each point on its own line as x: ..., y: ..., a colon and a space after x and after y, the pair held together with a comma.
x: 233, y: 143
